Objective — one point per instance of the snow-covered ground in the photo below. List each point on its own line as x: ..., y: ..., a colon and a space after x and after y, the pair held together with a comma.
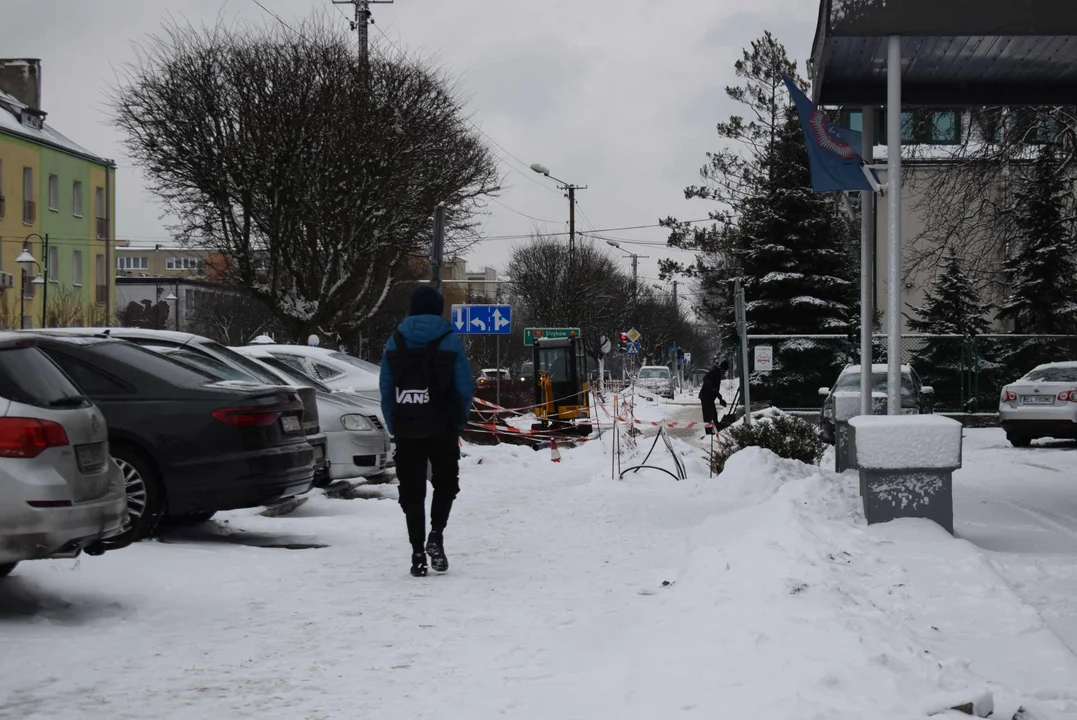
x: 757, y: 594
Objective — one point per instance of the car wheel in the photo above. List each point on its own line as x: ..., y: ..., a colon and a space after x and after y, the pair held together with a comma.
x: 1019, y: 441
x: 6, y: 568
x: 145, y: 497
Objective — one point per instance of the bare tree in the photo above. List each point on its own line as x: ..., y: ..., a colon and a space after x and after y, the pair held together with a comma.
x: 231, y: 319
x: 313, y: 173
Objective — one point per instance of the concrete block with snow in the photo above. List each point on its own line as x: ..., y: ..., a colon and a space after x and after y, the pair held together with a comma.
x: 897, y: 442
x: 906, y: 465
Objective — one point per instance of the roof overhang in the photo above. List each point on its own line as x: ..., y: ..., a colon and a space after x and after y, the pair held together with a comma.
x: 954, y: 52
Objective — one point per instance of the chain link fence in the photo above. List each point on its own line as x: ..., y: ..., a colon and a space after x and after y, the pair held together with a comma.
x: 966, y: 373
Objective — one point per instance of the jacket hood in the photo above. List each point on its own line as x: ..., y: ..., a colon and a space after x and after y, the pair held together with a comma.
x: 423, y: 329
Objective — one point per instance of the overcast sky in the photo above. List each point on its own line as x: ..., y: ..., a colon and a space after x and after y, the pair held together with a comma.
x: 618, y: 95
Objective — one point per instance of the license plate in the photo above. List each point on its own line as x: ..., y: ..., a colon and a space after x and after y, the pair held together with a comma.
x: 291, y: 424
x: 1037, y: 400
x: 90, y: 457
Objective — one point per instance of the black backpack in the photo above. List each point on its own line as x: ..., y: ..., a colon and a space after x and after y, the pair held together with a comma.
x: 425, y: 401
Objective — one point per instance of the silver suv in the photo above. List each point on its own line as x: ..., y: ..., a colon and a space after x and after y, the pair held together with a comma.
x: 60, y: 491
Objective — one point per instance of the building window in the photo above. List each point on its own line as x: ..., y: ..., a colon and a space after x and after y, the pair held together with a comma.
x: 76, y: 199
x: 918, y: 127
x: 29, y: 207
x: 29, y: 290
x: 130, y: 262
x: 76, y: 268
x: 186, y: 263
x: 53, y: 264
x: 3, y: 204
x: 100, y: 281
x: 54, y: 193
x: 99, y: 208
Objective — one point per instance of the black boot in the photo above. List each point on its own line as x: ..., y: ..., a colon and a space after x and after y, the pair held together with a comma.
x: 418, y: 564
x: 435, y: 548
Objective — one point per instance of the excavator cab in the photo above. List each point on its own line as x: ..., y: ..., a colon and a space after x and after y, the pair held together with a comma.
x: 561, y: 387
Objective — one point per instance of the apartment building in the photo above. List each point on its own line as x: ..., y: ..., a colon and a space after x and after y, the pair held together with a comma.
x: 57, y: 204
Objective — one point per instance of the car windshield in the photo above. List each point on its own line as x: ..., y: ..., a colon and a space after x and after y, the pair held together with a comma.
x: 851, y: 381
x: 256, y: 371
x: 29, y: 377
x: 362, y: 364
x: 290, y: 372
x: 652, y: 373
x: 1052, y: 374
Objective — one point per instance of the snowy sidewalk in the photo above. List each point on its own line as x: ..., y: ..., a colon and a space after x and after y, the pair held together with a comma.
x: 758, y: 594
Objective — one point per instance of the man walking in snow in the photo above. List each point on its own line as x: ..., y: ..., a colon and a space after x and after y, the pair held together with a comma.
x: 426, y: 389
x: 711, y: 391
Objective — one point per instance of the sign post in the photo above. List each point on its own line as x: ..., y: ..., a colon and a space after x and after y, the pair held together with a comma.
x: 493, y: 320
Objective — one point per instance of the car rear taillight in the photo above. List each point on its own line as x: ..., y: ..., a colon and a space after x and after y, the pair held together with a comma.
x: 1009, y: 396
x: 29, y: 437
x: 248, y: 417
x: 1068, y: 396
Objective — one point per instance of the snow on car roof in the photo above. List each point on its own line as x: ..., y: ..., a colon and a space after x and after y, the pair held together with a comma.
x: 1066, y: 365
x: 125, y: 332
x: 875, y: 368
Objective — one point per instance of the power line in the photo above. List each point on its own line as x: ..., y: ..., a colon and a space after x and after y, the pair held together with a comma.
x: 279, y: 19
x: 523, y: 214
x: 602, y: 230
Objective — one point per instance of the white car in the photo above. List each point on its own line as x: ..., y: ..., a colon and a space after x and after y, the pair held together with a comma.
x: 657, y: 379
x: 1041, y: 404
x: 335, y: 369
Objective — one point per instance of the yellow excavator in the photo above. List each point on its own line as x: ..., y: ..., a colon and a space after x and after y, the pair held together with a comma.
x: 562, y: 392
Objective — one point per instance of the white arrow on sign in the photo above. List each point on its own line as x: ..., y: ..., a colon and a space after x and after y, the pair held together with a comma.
x: 479, y: 324
x: 459, y: 320
x: 499, y: 320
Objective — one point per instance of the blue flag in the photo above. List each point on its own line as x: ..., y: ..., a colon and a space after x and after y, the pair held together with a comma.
x: 835, y: 164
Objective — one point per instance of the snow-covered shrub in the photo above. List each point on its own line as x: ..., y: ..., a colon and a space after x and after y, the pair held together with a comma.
x: 784, y: 435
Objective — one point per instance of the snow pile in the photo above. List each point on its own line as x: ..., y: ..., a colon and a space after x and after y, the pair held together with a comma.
x: 757, y: 594
x: 901, y: 442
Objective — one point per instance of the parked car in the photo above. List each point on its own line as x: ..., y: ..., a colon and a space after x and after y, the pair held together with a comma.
x: 656, y: 378
x: 916, y: 398
x: 336, y: 369
x: 60, y: 492
x: 187, y: 443
x: 221, y: 362
x: 359, y: 445
x: 1041, y: 404
x: 527, y: 371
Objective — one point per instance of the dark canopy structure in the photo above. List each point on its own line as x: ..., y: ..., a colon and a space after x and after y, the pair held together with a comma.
x: 954, y: 52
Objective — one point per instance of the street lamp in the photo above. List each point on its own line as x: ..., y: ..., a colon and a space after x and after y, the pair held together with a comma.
x: 543, y: 170
x: 27, y: 261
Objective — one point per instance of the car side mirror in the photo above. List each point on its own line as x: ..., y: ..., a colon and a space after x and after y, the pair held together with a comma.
x: 927, y: 390
x: 824, y: 392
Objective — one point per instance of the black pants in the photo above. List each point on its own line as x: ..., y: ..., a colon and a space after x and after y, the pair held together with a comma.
x: 443, y: 453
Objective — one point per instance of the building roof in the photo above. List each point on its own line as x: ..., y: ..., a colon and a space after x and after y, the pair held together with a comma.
x: 11, y: 124
x: 954, y: 52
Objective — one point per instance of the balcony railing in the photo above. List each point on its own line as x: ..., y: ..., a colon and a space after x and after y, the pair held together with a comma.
x: 102, y: 228
x: 102, y: 294
x: 29, y: 212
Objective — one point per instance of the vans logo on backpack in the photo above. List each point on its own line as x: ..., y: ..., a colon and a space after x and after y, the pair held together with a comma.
x: 412, y: 397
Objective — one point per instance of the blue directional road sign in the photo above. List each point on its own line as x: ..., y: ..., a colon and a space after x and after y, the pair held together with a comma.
x: 481, y: 319
x: 632, y: 348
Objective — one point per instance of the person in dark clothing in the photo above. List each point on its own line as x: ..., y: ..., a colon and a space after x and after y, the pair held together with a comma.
x: 426, y: 420
x: 711, y: 391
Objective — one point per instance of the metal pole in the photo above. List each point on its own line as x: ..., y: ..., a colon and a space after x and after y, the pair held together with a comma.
x: 497, y: 364
x: 45, y: 290
x: 571, y: 227
x: 437, y: 248
x: 893, y: 180
x: 22, y: 300
x: 742, y: 330
x: 867, y: 259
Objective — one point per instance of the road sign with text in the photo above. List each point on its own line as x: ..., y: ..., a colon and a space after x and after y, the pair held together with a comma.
x: 530, y: 334
x: 481, y: 319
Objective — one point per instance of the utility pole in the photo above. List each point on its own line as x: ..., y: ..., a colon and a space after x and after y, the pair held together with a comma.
x: 363, y: 20
x: 674, y: 296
